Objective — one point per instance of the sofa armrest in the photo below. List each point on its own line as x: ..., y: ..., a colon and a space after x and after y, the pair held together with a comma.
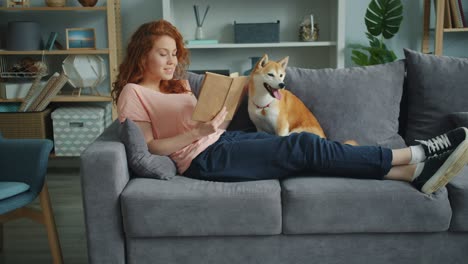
x: 104, y: 175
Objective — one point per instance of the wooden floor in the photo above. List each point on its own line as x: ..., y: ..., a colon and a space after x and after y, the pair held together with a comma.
x: 26, y: 241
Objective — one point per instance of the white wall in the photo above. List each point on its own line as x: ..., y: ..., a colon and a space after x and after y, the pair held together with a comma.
x: 136, y: 12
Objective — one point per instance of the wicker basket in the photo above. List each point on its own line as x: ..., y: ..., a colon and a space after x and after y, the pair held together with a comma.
x: 26, y: 125
x: 55, y: 3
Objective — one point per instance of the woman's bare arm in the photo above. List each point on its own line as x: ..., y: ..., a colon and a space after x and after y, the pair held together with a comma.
x: 170, y: 145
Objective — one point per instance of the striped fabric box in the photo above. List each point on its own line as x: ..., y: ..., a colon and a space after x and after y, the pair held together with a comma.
x: 75, y: 127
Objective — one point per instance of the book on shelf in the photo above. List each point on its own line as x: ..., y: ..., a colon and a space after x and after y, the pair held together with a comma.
x: 462, y: 13
x: 33, y: 91
x: 50, y: 42
x: 41, y: 94
x: 456, y: 14
x: 447, y: 15
x: 218, y: 91
x: 49, y: 92
x: 201, y: 41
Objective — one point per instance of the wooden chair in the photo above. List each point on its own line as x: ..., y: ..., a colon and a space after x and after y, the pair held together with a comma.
x: 23, y: 164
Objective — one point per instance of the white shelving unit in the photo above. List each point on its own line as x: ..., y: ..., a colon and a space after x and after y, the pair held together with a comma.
x: 327, y: 52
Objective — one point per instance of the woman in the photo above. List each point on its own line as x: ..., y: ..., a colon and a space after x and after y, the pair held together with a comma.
x: 148, y: 92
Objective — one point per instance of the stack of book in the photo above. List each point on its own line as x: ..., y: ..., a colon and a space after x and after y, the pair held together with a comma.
x: 39, y: 97
x: 454, y: 16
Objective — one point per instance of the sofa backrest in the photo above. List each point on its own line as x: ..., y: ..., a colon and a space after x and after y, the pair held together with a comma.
x: 360, y: 103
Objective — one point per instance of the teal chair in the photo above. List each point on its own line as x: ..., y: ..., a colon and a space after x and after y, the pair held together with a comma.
x: 23, y: 167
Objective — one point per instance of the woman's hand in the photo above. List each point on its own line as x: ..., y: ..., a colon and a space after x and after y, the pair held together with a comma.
x: 206, y: 128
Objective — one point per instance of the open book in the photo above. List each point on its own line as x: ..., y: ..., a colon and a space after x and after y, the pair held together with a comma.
x: 218, y: 91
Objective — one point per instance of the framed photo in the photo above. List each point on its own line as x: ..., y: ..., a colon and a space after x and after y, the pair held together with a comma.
x: 81, y: 38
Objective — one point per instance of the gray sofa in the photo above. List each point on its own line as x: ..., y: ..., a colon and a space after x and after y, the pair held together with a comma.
x: 304, y: 219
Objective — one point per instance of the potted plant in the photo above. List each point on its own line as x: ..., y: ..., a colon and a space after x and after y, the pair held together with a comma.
x: 383, y: 19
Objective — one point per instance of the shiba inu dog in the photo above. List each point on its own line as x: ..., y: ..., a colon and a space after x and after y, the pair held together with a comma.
x: 272, y: 108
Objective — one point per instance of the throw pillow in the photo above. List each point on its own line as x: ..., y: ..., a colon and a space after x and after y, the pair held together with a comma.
x: 459, y: 119
x: 360, y: 103
x: 140, y: 160
x: 436, y: 88
x: 195, y: 80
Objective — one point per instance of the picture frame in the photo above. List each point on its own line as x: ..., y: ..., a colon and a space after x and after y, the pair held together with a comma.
x: 80, y: 38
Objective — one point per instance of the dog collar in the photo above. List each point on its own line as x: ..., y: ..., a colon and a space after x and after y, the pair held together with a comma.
x: 263, y: 107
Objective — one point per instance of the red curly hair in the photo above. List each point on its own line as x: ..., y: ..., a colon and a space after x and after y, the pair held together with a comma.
x: 133, y: 66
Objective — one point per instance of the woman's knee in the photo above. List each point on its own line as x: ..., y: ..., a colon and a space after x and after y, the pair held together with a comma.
x: 305, y: 138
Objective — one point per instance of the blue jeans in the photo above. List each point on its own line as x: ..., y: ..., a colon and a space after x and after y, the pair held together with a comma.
x: 241, y: 156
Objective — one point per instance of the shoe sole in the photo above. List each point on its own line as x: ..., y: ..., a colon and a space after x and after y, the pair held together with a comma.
x: 451, y: 168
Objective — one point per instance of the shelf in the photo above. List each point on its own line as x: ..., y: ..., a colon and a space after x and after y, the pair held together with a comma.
x: 328, y: 52
x: 448, y: 30
x: 67, y: 99
x: 46, y: 8
x: 263, y: 45
x: 82, y: 98
x: 53, y: 52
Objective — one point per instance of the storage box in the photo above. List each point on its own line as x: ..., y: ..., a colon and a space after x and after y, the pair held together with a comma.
x: 76, y: 127
x: 16, y: 90
x: 9, y: 107
x: 256, y: 32
x: 26, y: 125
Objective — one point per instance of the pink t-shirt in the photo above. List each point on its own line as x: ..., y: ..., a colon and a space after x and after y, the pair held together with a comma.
x: 169, y: 115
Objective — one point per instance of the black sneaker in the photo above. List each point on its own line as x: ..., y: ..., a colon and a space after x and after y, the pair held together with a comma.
x: 444, y: 143
x: 439, y: 170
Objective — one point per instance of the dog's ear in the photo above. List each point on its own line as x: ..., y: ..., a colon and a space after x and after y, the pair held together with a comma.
x: 262, y: 62
x: 284, y: 62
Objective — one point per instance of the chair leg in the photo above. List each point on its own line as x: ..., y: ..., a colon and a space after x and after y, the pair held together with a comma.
x: 1, y: 237
x: 49, y: 223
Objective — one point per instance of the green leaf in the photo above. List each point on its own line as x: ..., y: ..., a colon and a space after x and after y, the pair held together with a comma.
x: 384, y: 17
x: 359, y: 58
x: 373, y: 41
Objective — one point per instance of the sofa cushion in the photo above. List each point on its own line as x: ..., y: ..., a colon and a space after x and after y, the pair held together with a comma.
x: 140, y: 160
x: 188, y: 207
x: 458, y: 195
x: 437, y: 87
x: 337, y: 205
x: 195, y: 80
x: 360, y: 103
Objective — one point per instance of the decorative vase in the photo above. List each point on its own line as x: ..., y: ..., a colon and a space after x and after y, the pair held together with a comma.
x: 88, y: 3
x: 199, y: 34
x: 55, y: 3
x: 253, y: 61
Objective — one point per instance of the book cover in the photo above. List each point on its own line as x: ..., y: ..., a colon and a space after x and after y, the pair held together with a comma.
x: 447, y: 15
x: 218, y: 91
x: 456, y: 16
x: 52, y: 91
x: 50, y: 42
x: 462, y: 13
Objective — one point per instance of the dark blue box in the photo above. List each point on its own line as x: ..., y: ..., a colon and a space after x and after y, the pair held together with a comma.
x: 256, y: 32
